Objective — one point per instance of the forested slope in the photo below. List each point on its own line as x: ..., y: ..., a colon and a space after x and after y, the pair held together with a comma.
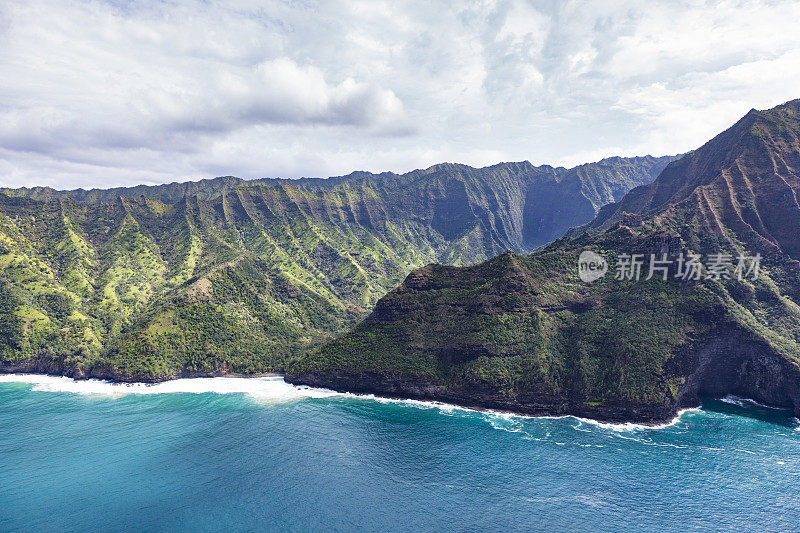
x: 524, y: 333
x: 229, y: 275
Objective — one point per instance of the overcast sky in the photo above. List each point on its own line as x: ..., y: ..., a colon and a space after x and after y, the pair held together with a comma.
x: 99, y: 94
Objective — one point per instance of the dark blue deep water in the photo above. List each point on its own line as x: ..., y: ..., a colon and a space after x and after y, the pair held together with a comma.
x: 284, y: 461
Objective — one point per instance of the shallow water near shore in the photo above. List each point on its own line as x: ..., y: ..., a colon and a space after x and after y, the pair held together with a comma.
x: 244, y: 454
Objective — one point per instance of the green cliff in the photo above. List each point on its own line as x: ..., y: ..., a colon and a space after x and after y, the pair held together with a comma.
x: 524, y: 333
x: 228, y: 275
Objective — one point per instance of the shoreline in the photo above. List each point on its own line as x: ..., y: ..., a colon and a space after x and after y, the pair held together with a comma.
x: 301, y: 391
x: 101, y: 386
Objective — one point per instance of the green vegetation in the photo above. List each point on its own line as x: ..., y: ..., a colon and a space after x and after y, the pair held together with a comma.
x: 227, y: 275
x: 525, y: 333
x: 525, y: 326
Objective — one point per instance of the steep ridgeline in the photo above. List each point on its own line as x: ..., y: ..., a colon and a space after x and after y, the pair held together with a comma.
x: 227, y: 275
x: 740, y: 187
x: 518, y: 206
x: 524, y: 333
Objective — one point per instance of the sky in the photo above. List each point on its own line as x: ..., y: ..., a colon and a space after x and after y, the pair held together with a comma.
x: 117, y: 93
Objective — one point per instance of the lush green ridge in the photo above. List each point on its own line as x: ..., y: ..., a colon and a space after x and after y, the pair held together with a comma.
x: 524, y: 333
x: 227, y: 275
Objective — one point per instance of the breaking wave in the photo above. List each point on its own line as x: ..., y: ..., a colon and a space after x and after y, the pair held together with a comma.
x: 270, y: 388
x: 275, y: 389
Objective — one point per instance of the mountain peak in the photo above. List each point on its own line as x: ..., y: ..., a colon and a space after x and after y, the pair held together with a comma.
x: 529, y: 334
x: 743, y: 184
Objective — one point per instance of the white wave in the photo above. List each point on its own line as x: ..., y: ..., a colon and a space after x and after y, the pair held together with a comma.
x: 631, y: 426
x: 733, y: 400
x: 446, y: 408
x: 505, y: 421
x: 747, y: 402
x: 275, y: 389
x: 270, y: 388
x: 493, y: 416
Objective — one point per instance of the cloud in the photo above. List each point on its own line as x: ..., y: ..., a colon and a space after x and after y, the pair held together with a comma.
x: 277, y: 91
x: 97, y: 93
x: 175, y: 116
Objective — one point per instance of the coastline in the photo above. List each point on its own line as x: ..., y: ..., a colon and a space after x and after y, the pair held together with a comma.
x: 648, y: 415
x: 616, y: 417
x: 263, y: 387
x: 248, y: 384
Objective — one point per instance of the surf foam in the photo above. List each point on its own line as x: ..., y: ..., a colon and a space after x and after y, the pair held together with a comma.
x: 271, y: 388
x: 275, y: 389
x: 748, y: 402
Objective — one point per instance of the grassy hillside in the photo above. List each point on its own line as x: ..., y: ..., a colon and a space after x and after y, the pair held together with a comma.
x: 227, y: 275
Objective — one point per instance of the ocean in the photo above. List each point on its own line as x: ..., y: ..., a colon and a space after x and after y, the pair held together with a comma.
x: 258, y: 454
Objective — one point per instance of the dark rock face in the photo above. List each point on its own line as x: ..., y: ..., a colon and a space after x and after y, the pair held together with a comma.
x: 732, y: 361
x: 662, y: 244
x: 452, y: 214
x: 479, y: 398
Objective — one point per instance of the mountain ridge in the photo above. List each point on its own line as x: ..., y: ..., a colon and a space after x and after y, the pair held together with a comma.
x: 189, y: 187
x: 525, y: 334
x: 240, y: 278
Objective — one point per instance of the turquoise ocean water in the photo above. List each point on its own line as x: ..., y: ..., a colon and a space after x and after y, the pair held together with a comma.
x: 245, y: 455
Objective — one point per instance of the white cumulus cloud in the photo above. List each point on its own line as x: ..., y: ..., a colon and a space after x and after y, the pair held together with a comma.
x: 104, y: 93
